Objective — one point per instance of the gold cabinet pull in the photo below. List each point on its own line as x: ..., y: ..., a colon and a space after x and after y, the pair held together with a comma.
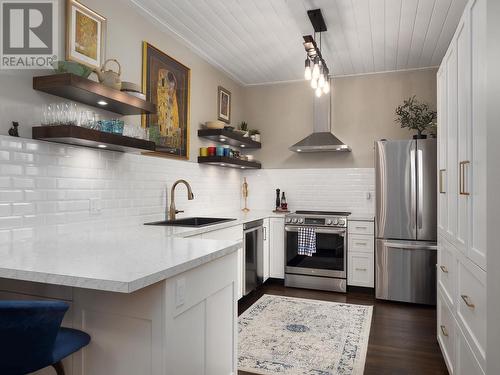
x: 467, y: 301
x: 444, y: 331
x: 441, y: 190
x: 360, y: 269
x: 444, y: 269
x: 462, y: 182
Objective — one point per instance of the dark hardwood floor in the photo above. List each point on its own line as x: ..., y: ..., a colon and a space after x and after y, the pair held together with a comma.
x: 402, y: 336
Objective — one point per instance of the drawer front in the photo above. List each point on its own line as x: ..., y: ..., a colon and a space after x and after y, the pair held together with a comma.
x: 360, y: 227
x: 446, y: 332
x: 360, y: 269
x: 447, y: 271
x: 467, y: 363
x: 361, y: 243
x: 471, y: 306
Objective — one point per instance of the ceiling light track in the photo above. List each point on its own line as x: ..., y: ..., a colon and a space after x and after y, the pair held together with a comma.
x: 315, y: 68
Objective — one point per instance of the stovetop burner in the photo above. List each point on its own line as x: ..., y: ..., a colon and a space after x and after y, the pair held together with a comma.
x: 326, y: 213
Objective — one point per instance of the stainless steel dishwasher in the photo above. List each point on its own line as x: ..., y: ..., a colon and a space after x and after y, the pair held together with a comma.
x: 253, y: 254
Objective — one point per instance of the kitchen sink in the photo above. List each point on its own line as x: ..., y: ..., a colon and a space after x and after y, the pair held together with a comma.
x: 191, y: 222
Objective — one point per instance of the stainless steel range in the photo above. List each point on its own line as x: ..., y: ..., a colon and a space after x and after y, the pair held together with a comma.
x: 325, y: 269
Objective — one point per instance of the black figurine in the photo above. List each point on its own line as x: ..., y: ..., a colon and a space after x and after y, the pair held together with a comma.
x: 278, y: 201
x: 13, y: 131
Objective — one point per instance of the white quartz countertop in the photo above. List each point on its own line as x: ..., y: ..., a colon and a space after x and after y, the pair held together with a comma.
x: 119, y: 260
x: 123, y: 259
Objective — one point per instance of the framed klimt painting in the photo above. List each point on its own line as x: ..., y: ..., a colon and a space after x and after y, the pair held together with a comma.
x: 224, y: 105
x: 85, y: 35
x: 166, y: 83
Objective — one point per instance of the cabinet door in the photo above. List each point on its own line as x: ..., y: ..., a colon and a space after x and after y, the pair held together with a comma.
x: 360, y: 269
x: 277, y: 248
x: 446, y: 332
x: 442, y: 150
x: 266, y: 249
x: 475, y: 172
x: 463, y: 131
x: 451, y: 149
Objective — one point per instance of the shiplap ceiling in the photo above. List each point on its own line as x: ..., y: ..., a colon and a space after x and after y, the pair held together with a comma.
x: 260, y: 41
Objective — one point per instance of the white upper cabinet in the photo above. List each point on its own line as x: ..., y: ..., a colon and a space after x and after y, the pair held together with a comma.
x: 476, y: 174
x: 451, y: 134
x: 461, y: 137
x: 442, y: 145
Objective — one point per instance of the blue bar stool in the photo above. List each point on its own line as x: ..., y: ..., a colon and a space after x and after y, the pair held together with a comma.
x: 31, y: 337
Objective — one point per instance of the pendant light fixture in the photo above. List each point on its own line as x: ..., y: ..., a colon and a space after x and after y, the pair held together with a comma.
x: 316, y: 69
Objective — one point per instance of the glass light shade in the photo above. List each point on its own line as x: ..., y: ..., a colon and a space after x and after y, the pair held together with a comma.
x: 318, y: 92
x: 326, y: 87
x: 308, y: 73
x: 314, y: 83
x: 315, y: 72
x: 321, y: 80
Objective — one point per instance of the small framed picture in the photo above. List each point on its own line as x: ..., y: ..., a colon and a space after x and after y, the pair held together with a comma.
x: 224, y: 105
x: 85, y: 35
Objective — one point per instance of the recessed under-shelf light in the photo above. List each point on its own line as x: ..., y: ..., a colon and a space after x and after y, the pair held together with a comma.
x: 222, y: 139
x: 102, y: 102
x: 242, y: 146
x: 102, y: 146
x: 242, y: 167
x: 299, y: 150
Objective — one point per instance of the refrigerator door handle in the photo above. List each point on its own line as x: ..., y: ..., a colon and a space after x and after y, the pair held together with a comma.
x: 410, y: 246
x: 413, y: 186
x: 420, y: 182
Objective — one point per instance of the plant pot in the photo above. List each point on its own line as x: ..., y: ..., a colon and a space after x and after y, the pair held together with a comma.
x: 256, y: 137
x: 420, y: 136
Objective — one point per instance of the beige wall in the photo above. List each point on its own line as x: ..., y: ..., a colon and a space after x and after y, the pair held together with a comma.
x: 362, y: 112
x: 126, y: 30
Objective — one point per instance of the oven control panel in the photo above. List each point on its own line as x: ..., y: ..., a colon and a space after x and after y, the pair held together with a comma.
x: 316, y: 220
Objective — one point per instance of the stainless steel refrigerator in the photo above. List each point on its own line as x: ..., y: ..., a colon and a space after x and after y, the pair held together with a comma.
x: 406, y: 222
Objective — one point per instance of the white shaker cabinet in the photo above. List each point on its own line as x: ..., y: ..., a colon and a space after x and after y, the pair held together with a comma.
x: 277, y: 248
x: 234, y: 233
x: 462, y: 138
x: 360, y: 254
x: 462, y: 303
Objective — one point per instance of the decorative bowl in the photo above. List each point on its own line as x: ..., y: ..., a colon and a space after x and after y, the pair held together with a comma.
x: 72, y: 67
x: 215, y: 125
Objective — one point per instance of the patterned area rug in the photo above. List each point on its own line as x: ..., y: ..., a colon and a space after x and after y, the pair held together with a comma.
x: 284, y: 335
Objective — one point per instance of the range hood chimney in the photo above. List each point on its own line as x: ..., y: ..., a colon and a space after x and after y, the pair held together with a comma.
x: 321, y: 140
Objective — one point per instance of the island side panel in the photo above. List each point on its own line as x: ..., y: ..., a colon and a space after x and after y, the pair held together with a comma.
x: 201, y: 324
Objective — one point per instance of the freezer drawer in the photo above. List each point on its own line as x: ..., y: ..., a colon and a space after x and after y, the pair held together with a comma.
x: 406, y: 271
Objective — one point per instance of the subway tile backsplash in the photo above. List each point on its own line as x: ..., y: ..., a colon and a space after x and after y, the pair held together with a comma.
x: 46, y: 188
x: 339, y: 189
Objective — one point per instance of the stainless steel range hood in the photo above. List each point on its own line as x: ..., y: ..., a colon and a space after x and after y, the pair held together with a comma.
x: 321, y: 140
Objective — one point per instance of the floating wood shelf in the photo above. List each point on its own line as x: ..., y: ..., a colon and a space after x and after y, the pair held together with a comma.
x: 225, y: 161
x: 76, y: 135
x: 229, y: 137
x: 83, y: 90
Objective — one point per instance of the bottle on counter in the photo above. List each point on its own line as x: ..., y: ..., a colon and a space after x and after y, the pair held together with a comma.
x: 284, y: 205
x: 278, y: 202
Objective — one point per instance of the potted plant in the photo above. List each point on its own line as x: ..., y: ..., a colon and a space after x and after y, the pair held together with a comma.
x: 255, y: 135
x: 415, y: 115
x: 244, y: 128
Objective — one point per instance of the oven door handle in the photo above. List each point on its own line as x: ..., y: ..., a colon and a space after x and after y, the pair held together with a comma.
x: 321, y: 231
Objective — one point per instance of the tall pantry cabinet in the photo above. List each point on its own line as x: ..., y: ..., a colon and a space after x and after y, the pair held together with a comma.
x: 461, y: 85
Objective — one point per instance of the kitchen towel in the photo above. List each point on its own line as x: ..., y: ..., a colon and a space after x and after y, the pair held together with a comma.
x: 307, y: 241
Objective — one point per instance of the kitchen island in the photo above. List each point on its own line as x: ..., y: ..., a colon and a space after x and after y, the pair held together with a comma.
x: 152, y: 302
